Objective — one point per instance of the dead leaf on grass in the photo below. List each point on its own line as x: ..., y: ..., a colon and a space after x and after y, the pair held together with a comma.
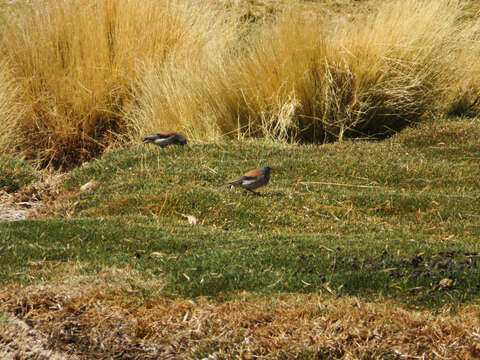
x: 327, y: 287
x: 192, y: 220
x: 158, y: 254
x: 445, y: 284
x: 88, y: 186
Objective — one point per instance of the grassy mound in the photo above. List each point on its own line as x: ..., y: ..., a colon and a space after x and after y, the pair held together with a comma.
x: 347, y: 237
x: 163, y: 184
x: 396, y: 219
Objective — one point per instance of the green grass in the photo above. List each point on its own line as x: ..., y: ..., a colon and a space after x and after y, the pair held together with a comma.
x: 221, y: 263
x: 15, y: 173
x: 3, y: 319
x: 402, y: 217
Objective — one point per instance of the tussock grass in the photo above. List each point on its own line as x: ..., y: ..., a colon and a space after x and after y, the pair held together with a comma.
x: 369, y: 77
x: 463, y: 97
x: 92, y: 74
x: 305, y: 77
x: 76, y: 61
x: 192, y: 97
x: 10, y: 110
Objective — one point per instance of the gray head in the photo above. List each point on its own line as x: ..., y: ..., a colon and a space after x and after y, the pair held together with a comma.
x: 180, y: 139
x: 265, y: 170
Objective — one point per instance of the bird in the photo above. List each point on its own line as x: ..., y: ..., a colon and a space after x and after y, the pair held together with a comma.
x: 252, y: 179
x: 164, y: 138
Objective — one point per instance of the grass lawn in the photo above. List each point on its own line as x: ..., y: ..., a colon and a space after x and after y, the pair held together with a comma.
x: 394, y: 221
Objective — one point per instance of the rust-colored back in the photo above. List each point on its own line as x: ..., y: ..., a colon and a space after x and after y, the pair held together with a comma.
x: 253, y: 173
x: 166, y: 132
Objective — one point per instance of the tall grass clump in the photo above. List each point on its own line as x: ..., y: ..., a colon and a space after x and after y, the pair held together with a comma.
x: 194, y: 97
x: 305, y: 77
x: 76, y: 61
x: 301, y: 79
x: 463, y: 97
x: 195, y: 94
x: 10, y: 110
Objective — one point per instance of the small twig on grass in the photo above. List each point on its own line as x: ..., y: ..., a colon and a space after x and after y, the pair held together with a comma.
x: 408, y: 356
x: 275, y: 283
x: 163, y: 205
x: 306, y: 284
x: 336, y: 184
x: 326, y: 248
x: 439, y: 356
x: 210, y: 169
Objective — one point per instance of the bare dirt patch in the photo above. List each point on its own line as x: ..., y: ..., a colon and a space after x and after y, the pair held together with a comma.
x: 29, y: 202
x: 94, y: 321
x: 11, y: 211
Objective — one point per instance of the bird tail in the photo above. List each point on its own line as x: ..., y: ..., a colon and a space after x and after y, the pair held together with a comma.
x: 142, y: 143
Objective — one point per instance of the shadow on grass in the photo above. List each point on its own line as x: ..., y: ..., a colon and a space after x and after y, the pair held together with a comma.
x: 216, y: 263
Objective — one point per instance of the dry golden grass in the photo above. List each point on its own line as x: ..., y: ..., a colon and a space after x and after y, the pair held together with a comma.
x: 191, y: 97
x: 76, y: 62
x: 80, y: 317
x: 10, y: 110
x: 463, y: 93
x: 92, y: 74
x: 379, y: 72
x: 308, y: 76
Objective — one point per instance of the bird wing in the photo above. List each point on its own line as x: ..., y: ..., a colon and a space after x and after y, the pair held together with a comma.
x: 150, y: 137
x: 248, y: 177
x: 253, y: 173
x: 165, y: 133
x: 237, y: 181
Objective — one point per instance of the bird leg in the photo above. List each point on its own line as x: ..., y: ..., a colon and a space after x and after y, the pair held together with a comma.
x: 254, y: 192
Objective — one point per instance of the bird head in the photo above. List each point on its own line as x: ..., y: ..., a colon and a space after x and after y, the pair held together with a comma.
x: 266, y: 169
x: 181, y: 140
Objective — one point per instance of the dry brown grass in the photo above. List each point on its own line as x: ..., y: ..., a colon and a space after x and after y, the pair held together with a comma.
x: 92, y: 320
x: 191, y: 97
x: 463, y: 94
